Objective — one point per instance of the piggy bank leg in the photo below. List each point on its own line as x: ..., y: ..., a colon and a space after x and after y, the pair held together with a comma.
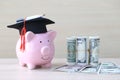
x: 48, y: 65
x: 31, y: 66
x: 22, y: 64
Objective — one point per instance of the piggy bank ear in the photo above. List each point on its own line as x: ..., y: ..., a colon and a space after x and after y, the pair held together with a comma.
x: 52, y: 34
x: 29, y: 36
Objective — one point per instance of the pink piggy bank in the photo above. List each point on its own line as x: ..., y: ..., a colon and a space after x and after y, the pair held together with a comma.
x: 39, y: 49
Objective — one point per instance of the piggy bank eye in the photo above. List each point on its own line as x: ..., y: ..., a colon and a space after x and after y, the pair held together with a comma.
x: 48, y: 40
x: 40, y: 41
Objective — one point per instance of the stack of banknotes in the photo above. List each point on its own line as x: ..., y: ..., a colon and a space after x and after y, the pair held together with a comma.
x: 101, y: 68
x: 83, y: 56
x: 80, y: 52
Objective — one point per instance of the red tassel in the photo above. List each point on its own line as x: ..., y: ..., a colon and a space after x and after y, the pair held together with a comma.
x: 22, y: 36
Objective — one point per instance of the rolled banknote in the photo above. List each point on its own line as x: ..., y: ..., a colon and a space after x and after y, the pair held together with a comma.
x: 94, y: 50
x: 81, y: 57
x: 71, y: 50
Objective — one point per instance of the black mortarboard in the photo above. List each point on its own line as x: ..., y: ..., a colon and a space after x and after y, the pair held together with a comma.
x: 36, y: 24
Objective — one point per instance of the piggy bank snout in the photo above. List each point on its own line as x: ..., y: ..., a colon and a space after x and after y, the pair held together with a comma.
x: 45, y: 51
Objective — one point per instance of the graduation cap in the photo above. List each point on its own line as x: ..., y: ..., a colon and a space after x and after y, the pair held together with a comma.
x: 36, y: 24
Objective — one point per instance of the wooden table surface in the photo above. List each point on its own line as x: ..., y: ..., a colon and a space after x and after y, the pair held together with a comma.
x: 11, y: 70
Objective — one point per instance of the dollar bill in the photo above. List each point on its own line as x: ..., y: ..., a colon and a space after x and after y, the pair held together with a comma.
x: 101, y: 68
x: 71, y: 68
x: 91, y: 69
x: 81, y: 50
x: 71, y: 50
x: 109, y: 68
x: 94, y: 50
